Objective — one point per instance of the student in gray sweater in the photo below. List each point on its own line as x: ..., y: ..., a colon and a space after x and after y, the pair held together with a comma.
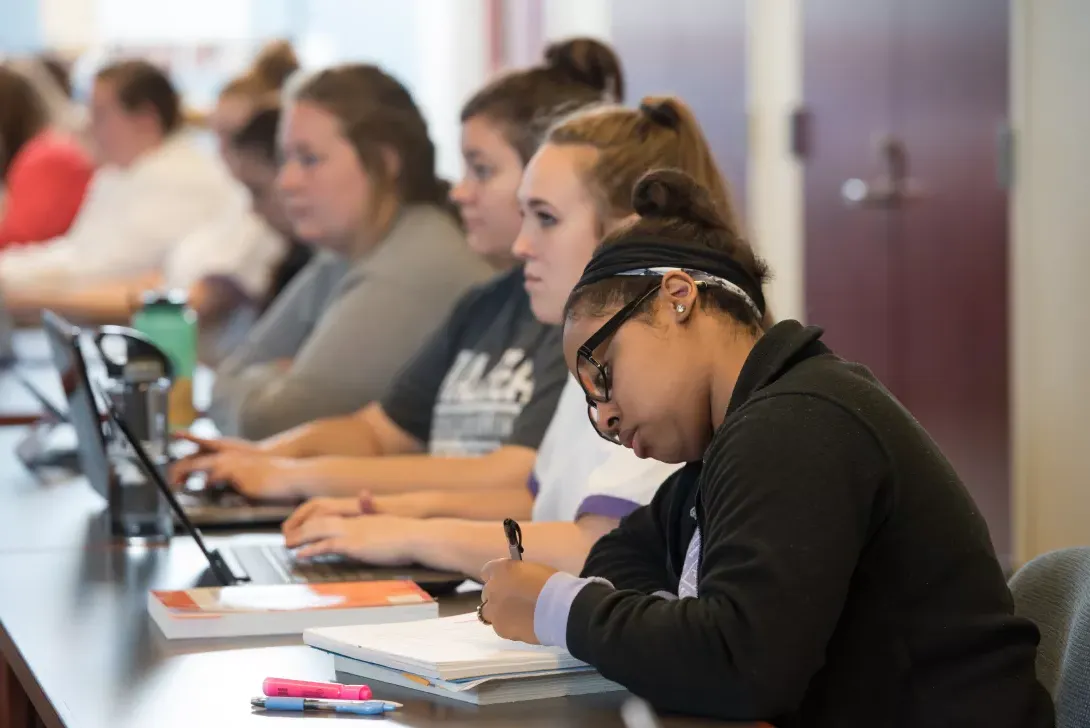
x: 358, y: 180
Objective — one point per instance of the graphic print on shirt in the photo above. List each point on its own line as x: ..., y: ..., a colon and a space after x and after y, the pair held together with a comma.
x: 477, y: 407
x: 690, y: 571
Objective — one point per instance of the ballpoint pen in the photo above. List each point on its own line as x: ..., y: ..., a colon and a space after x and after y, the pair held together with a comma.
x: 513, y: 533
x: 355, y: 707
x: 514, y: 538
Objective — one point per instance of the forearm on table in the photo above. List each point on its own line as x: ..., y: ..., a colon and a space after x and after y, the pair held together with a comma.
x: 507, y: 468
x: 466, y: 546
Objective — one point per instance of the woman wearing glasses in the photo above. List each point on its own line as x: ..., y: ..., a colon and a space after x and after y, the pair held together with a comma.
x: 818, y: 563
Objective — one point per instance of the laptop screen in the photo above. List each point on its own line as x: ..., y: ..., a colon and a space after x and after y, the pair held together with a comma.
x: 83, y: 411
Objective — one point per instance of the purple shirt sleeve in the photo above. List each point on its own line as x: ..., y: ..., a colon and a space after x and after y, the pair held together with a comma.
x: 606, y: 505
x: 553, y: 605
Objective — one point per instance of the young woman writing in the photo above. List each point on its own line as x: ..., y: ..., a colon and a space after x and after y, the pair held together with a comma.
x: 818, y: 563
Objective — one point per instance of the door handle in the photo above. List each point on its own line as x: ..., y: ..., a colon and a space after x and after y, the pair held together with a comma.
x: 892, y: 187
x: 859, y: 193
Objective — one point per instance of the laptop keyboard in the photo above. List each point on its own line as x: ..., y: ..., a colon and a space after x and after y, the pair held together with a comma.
x: 328, y: 568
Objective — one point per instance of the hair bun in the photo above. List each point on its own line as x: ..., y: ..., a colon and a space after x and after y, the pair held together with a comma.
x: 671, y: 193
x: 589, y: 62
x: 274, y: 64
x: 663, y: 113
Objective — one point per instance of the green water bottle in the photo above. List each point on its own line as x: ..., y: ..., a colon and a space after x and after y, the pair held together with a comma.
x: 167, y: 319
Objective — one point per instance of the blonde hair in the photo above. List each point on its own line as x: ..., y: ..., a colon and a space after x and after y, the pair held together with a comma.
x: 661, y: 132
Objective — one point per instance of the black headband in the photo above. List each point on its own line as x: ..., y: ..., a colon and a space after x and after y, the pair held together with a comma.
x: 648, y: 252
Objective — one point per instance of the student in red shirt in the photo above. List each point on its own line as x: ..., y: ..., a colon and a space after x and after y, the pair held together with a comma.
x: 43, y: 174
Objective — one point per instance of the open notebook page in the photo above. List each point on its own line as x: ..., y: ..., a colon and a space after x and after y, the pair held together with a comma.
x: 451, y: 648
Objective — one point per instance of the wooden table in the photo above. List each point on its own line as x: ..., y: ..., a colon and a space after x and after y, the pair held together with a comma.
x: 78, y: 649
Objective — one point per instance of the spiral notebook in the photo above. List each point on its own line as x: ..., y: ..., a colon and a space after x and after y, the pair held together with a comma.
x: 459, y: 658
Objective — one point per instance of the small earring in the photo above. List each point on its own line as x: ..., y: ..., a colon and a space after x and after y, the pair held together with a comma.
x: 680, y: 308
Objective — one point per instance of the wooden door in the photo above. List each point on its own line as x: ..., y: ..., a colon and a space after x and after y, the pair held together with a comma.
x: 915, y: 284
x: 696, y: 50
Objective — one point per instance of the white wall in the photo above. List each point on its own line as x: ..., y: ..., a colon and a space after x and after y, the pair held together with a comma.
x: 774, y: 211
x: 569, y: 18
x: 452, y: 57
x: 1050, y: 261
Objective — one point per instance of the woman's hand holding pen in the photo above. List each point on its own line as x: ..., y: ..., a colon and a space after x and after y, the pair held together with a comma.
x: 511, y: 589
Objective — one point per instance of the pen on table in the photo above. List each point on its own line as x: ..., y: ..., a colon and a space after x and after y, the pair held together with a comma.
x: 514, y: 538
x: 356, y: 707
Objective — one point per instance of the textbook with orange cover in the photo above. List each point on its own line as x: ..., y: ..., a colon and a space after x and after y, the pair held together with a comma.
x: 249, y: 610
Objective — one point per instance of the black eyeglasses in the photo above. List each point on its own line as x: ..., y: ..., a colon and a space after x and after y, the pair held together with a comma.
x: 594, y: 377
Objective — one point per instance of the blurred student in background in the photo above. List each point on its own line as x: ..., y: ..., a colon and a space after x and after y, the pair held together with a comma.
x: 51, y: 78
x: 153, y: 188
x: 44, y: 173
x: 358, y: 181
x: 470, y: 409
x: 257, y: 88
x: 230, y: 267
x: 235, y: 268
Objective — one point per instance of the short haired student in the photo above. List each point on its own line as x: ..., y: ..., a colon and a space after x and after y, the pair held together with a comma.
x: 818, y: 563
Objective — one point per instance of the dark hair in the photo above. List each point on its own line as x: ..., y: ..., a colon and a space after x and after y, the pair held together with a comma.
x: 524, y: 103
x: 22, y: 115
x: 58, y: 71
x: 376, y: 112
x: 661, y: 132
x: 141, y: 86
x: 673, y: 208
x: 259, y: 135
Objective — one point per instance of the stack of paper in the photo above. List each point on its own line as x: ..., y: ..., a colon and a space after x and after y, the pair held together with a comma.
x: 457, y: 657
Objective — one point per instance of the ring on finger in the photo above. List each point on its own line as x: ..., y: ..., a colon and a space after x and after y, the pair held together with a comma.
x: 480, y: 613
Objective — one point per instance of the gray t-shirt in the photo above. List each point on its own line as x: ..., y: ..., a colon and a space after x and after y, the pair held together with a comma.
x: 333, y: 341
x: 490, y: 376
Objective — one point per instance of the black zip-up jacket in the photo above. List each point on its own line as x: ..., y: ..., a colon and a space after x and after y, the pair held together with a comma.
x: 846, y: 576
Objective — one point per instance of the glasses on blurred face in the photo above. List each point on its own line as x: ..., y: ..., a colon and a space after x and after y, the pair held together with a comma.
x: 593, y: 376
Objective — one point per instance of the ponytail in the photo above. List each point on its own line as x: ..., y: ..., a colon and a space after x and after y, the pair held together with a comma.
x: 661, y: 132
x: 524, y: 103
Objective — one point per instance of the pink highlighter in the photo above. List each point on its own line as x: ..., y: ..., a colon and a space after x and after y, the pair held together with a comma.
x: 276, y: 687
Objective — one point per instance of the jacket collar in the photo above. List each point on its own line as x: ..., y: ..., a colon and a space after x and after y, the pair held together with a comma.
x: 782, y: 347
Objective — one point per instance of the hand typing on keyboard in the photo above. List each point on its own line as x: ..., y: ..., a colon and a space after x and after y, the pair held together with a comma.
x: 325, y: 506
x: 380, y: 540
x: 253, y: 475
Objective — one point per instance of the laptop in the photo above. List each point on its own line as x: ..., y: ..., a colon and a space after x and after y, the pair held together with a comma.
x: 7, y: 335
x: 273, y: 563
x: 206, y: 506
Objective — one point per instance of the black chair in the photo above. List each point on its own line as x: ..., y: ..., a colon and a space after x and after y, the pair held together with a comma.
x: 1053, y: 590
